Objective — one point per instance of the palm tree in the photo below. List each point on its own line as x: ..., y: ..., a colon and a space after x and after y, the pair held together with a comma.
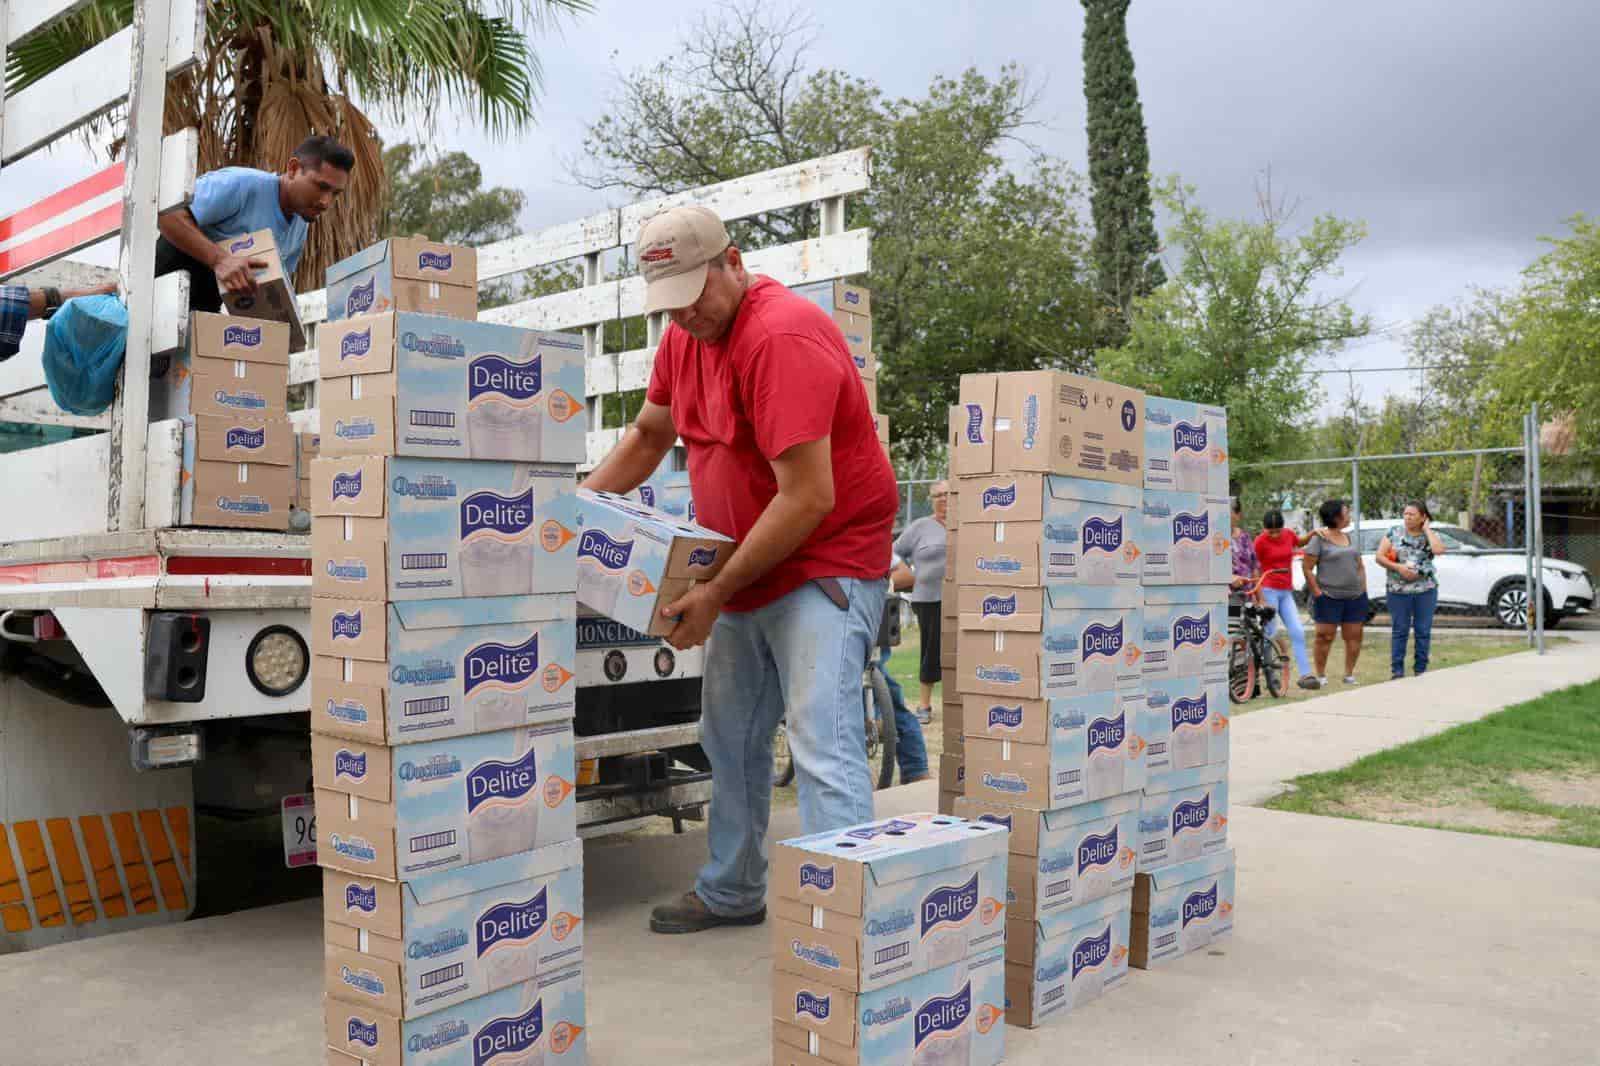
x: 273, y: 71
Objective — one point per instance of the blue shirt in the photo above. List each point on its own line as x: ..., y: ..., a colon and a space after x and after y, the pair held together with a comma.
x: 234, y: 201
x: 13, y: 318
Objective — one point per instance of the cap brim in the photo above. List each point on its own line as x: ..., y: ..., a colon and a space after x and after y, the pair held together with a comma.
x: 680, y: 290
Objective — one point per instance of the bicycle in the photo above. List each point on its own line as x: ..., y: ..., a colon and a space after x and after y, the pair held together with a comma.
x: 877, y: 712
x: 1253, y: 657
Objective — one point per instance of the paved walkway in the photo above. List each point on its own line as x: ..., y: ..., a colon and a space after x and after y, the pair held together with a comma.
x: 1273, y: 745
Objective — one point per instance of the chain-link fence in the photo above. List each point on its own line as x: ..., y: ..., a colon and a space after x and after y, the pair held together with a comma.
x: 914, y: 500
x: 1483, y: 507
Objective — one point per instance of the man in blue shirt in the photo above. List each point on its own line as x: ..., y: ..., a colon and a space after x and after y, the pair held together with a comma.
x: 234, y: 201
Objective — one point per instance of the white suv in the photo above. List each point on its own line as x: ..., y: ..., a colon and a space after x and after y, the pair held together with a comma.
x: 1477, y: 574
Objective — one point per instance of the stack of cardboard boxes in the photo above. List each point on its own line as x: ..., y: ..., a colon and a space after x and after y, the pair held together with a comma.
x: 1054, y: 540
x: 888, y: 944
x: 444, y: 542
x: 851, y: 308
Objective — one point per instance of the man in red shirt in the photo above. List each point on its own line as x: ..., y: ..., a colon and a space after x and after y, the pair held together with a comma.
x: 784, y: 458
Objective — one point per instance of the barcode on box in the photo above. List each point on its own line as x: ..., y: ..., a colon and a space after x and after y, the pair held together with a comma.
x: 1069, y: 777
x: 433, y: 419
x: 894, y: 951
x: 1164, y: 940
x: 439, y: 977
x: 1062, y: 669
x: 1063, y: 559
x: 424, y: 561
x: 1156, y: 748
x: 433, y: 841
x: 1055, y: 888
x: 431, y: 705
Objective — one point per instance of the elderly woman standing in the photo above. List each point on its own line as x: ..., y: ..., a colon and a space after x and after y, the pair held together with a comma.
x: 1337, y: 583
x: 1407, y: 552
x: 922, y: 546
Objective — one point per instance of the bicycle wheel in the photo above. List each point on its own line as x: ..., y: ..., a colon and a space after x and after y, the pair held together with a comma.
x: 884, y: 725
x: 782, y: 760
x: 1274, y: 668
x: 1241, y: 671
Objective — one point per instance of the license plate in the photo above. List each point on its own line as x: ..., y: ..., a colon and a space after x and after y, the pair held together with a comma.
x: 299, y: 830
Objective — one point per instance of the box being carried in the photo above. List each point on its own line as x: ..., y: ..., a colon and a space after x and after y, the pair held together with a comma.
x: 273, y: 299
x: 1182, y: 908
x: 1185, y: 447
x: 402, y: 672
x: 397, y: 813
x: 834, y: 296
x: 401, y: 383
x: 405, y: 274
x: 953, y: 1016
x: 436, y: 941
x: 1187, y: 724
x: 233, y: 367
x: 1044, y: 754
x: 1058, y: 641
x: 403, y: 529
x: 533, y: 1022
x: 633, y: 559
x: 1071, y: 957
x: 1050, y: 422
x: 1184, y: 818
x: 1187, y: 539
x: 872, y: 905
x: 1185, y: 630
x: 1064, y: 858
x: 1026, y: 530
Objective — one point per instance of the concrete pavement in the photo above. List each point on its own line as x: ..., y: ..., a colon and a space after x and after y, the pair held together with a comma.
x: 1356, y: 943
x: 1273, y: 745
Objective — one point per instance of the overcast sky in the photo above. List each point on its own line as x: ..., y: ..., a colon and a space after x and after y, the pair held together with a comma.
x: 1459, y: 131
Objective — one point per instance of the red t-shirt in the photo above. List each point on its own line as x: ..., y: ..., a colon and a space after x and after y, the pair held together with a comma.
x: 782, y: 376
x: 1275, y: 550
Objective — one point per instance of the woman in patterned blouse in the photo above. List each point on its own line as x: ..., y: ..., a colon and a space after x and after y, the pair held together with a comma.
x: 1407, y: 552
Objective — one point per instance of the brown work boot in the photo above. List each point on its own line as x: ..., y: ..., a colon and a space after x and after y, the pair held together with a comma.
x: 689, y: 914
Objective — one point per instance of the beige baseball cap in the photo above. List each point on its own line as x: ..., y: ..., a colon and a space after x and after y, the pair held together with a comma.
x: 674, y: 248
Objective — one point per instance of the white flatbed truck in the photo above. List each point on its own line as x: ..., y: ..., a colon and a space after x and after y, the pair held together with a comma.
x: 147, y: 670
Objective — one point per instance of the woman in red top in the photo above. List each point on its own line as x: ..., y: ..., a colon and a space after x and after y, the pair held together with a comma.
x: 1275, y: 549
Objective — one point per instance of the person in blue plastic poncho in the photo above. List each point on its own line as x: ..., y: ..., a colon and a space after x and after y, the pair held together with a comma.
x: 234, y: 201
x: 19, y: 303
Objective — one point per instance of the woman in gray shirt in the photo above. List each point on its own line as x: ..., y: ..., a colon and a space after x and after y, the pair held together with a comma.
x: 1337, y: 582
x: 922, y: 546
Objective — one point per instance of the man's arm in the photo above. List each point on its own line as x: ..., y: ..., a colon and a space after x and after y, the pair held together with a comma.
x: 234, y: 272
x: 805, y: 497
x: 637, y: 454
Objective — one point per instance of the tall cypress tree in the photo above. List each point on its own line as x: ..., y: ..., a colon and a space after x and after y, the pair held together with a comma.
x: 1125, y: 243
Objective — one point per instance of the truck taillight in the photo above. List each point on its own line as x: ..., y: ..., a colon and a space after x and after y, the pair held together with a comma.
x: 176, y: 652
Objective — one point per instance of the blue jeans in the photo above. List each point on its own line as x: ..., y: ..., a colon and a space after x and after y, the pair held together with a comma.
x: 1288, y: 618
x: 911, y: 751
x: 1408, y: 611
x: 799, y: 658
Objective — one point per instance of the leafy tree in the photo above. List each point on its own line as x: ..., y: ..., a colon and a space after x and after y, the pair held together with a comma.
x: 975, y: 265
x: 273, y: 71
x: 1125, y: 244
x: 1456, y: 349
x: 1240, y: 318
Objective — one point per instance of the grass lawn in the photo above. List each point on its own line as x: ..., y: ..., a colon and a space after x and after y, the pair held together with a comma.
x: 1449, y: 649
x: 1532, y: 770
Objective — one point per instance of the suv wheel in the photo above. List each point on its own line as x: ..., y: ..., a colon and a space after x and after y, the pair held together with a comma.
x: 1509, y: 605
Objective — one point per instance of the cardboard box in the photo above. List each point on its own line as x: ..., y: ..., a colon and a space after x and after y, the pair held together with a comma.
x: 431, y: 529
x: 947, y: 684
x: 953, y: 773
x: 405, y: 274
x: 1182, y: 908
x: 866, y: 363
x: 404, y: 672
x: 949, y: 631
x: 1094, y: 748
x: 415, y: 948
x: 1185, y: 630
x: 274, y: 298
x: 1188, y: 724
x: 223, y: 491
x: 397, y: 813
x: 869, y: 906
x: 633, y: 559
x: 883, y: 427
x: 947, y: 801
x: 1050, y: 422
x: 1064, y: 858
x: 870, y: 384
x: 1185, y: 447
x: 834, y: 296
x: 536, y: 1021
x: 1072, y: 957
x: 232, y: 367
x: 1060, y: 641
x: 1026, y: 530
x: 401, y: 383
x: 1186, y: 539
x: 1184, y: 818
x: 950, y: 723
x: 857, y: 330
x: 307, y: 446
x: 952, y: 1015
